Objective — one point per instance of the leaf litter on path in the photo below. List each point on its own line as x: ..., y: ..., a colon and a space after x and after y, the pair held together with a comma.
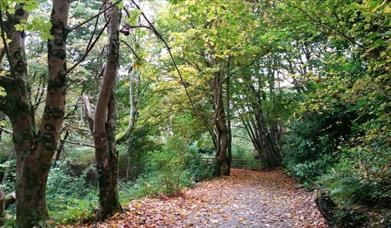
x: 244, y: 199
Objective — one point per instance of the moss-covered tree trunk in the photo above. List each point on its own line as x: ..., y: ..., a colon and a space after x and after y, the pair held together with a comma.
x: 106, y: 154
x: 34, y: 150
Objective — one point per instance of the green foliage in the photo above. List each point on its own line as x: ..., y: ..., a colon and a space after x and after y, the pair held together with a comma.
x: 339, y: 137
x: 3, y: 93
x: 245, y: 153
x: 348, y: 218
x: 328, y: 122
x: 75, y: 209
x: 309, y: 171
x: 37, y: 24
x: 197, y: 169
x: 351, y: 182
x: 28, y: 5
x: 81, y: 156
x: 8, y: 174
x: 171, y: 168
x: 128, y: 191
x: 135, y: 149
x: 70, y: 200
x: 165, y: 173
x: 310, y: 146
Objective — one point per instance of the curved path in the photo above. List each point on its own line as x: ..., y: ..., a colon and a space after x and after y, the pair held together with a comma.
x: 244, y: 199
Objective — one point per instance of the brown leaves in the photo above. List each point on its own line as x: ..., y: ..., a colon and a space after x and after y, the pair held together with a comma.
x: 245, y: 199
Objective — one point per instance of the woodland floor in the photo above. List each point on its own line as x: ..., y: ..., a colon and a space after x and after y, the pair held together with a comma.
x: 244, y: 199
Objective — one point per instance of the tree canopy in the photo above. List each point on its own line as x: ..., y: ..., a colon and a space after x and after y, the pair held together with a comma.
x: 133, y: 98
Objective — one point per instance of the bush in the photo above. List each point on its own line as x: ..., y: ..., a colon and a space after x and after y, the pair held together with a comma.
x: 309, y: 171
x: 308, y: 153
x: 165, y: 172
x: 8, y: 174
x: 351, y: 183
x: 173, y: 167
x: 75, y: 209
x: 132, y: 152
x: 69, y: 198
x: 338, y: 140
x: 197, y: 169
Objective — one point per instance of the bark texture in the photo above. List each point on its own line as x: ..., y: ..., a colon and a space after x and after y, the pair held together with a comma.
x: 34, y: 150
x: 228, y: 110
x: 106, y: 154
x: 222, y: 134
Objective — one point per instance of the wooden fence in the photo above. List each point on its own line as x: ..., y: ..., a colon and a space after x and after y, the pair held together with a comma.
x: 237, y: 163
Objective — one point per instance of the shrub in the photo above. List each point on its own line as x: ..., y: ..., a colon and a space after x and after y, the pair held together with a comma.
x: 165, y: 172
x: 309, y: 171
x: 69, y: 199
x: 8, y: 174
x: 356, y: 179
x: 338, y: 140
x: 74, y: 209
x: 171, y: 168
x: 197, y: 169
x: 308, y: 154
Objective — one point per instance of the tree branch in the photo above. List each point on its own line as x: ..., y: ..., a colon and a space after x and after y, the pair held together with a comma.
x: 131, y: 49
x: 66, y: 141
x: 78, y: 143
x: 89, y: 49
x: 95, y: 16
x: 88, y: 112
x: 159, y: 35
x: 318, y: 21
x: 3, y: 38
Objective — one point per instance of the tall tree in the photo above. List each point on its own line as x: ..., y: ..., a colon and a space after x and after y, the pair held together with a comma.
x: 106, y: 154
x: 211, y: 36
x: 222, y: 131
x: 34, y: 150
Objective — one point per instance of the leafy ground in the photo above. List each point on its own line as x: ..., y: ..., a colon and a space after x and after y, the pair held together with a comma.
x: 244, y: 199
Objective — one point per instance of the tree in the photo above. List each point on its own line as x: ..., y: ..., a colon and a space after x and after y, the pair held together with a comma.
x: 210, y: 41
x: 34, y: 149
x: 105, y: 122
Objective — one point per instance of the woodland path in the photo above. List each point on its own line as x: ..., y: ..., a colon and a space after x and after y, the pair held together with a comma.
x: 244, y: 199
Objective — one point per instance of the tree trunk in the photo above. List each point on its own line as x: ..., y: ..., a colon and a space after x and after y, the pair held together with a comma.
x: 60, y: 148
x: 106, y: 154
x: 267, y: 142
x: 134, y: 83
x: 256, y: 126
x: 229, y: 150
x: 34, y: 151
x: 2, y: 117
x: 221, y: 127
x: 88, y: 112
x: 30, y: 193
x: 2, y: 208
